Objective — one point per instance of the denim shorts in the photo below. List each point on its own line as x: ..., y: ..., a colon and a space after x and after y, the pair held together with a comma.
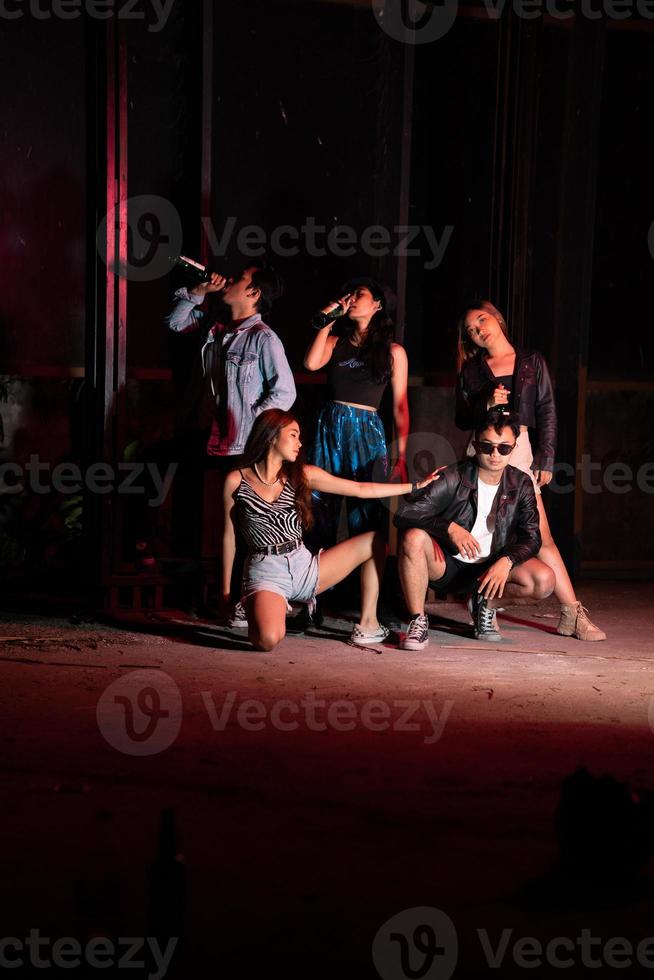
x: 293, y: 576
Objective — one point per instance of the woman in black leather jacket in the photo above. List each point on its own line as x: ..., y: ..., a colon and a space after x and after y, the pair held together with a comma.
x: 492, y: 373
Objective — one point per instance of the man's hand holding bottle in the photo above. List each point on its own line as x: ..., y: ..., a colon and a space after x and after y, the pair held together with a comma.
x: 215, y: 284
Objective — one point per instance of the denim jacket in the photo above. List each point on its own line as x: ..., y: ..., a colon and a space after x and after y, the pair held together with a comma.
x: 257, y: 377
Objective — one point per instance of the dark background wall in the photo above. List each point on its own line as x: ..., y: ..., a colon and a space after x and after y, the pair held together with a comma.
x: 43, y: 176
x: 620, y: 345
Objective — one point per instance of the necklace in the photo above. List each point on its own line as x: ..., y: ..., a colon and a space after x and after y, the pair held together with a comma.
x: 265, y: 482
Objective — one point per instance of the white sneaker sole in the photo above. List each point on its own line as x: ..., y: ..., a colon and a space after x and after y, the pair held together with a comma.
x: 414, y: 644
x: 365, y: 641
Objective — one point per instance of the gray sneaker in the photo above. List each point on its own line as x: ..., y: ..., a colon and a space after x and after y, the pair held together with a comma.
x: 417, y: 634
x: 484, y: 619
x: 238, y: 620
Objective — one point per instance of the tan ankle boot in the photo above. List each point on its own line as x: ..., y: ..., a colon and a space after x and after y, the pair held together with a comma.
x: 574, y: 621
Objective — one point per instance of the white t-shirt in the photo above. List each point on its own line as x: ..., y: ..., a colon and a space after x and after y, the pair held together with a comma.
x: 484, y: 526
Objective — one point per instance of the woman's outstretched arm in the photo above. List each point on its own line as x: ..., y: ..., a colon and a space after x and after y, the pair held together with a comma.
x: 321, y: 480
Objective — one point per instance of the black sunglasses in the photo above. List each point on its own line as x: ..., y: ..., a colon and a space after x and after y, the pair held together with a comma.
x: 503, y: 448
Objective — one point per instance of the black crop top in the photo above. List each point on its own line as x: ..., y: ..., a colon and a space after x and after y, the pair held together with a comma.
x: 350, y: 380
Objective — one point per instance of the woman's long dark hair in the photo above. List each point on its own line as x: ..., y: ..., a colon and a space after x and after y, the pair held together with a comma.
x: 265, y: 430
x: 376, y: 348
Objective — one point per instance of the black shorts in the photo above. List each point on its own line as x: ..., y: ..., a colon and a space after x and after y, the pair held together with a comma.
x: 461, y: 576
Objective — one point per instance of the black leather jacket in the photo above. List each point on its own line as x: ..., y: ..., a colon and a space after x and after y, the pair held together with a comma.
x: 532, y: 399
x: 453, y: 497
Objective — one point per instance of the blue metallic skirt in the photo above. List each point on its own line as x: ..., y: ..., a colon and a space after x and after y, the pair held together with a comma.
x: 351, y: 443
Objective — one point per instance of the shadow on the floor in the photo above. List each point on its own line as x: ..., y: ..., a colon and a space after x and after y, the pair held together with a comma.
x: 450, y: 626
x: 191, y: 632
x: 324, y: 632
x: 534, y: 625
x: 202, y: 633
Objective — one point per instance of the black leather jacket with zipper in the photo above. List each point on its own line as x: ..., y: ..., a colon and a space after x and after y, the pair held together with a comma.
x: 532, y: 400
x: 453, y: 497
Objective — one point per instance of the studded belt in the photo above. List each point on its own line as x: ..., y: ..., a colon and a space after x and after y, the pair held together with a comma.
x: 278, y: 549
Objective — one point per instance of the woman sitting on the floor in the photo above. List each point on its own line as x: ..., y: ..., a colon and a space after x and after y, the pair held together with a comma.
x: 270, y: 502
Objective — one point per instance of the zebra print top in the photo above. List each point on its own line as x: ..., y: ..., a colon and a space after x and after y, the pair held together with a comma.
x: 263, y: 523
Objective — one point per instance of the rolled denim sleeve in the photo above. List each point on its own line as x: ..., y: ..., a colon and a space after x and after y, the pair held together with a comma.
x: 278, y: 384
x: 184, y: 315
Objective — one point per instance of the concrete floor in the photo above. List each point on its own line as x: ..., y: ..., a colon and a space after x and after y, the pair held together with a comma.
x: 305, y: 825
